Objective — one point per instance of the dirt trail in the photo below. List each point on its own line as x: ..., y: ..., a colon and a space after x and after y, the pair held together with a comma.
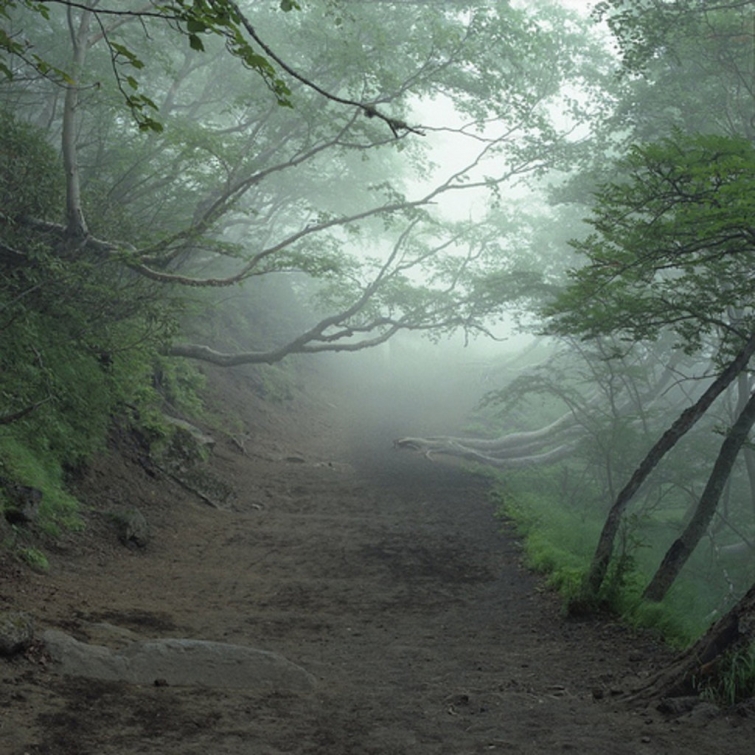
x: 382, y: 574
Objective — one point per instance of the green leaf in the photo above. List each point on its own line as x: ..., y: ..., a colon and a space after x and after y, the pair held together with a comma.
x: 194, y: 26
x: 196, y: 43
x: 673, y: 244
x: 150, y: 124
x: 124, y: 51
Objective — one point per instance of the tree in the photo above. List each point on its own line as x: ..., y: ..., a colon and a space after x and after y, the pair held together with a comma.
x: 686, y: 67
x: 703, y: 665
x: 673, y: 249
x: 597, y: 394
x: 711, y: 42
x: 228, y: 204
x: 688, y: 418
x: 682, y: 548
x: 673, y: 245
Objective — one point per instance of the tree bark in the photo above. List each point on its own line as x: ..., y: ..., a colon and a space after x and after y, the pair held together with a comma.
x: 687, y: 420
x: 745, y: 385
x: 513, y: 451
x: 683, y: 547
x: 76, y: 226
x: 697, y: 667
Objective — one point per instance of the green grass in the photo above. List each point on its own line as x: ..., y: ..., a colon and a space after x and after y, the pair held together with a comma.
x: 559, y: 542
x: 26, y: 466
x: 735, y: 680
x: 34, y: 558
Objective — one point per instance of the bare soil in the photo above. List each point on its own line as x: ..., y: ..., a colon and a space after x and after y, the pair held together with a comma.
x: 384, y: 574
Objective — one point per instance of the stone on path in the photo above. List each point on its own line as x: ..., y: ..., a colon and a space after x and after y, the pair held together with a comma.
x: 16, y: 631
x: 179, y: 662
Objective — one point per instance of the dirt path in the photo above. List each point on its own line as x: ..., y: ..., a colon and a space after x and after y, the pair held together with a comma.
x: 383, y: 575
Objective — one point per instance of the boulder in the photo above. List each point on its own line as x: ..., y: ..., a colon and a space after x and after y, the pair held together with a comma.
x: 133, y: 529
x: 178, y: 662
x: 188, y: 444
x: 16, y: 631
x: 23, y: 503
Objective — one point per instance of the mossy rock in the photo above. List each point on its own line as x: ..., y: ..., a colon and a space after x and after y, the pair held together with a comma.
x: 133, y: 528
x: 186, y: 446
x: 16, y: 631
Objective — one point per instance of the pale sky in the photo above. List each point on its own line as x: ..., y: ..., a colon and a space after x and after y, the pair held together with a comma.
x: 582, y: 6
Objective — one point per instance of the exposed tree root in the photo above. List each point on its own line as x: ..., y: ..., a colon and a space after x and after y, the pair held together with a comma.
x: 700, y: 666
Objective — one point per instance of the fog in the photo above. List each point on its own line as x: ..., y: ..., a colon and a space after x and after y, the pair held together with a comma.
x: 412, y: 386
x: 403, y: 197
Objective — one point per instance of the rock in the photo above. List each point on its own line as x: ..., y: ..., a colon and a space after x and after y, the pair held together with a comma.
x: 23, y: 503
x: 676, y: 706
x: 188, y: 444
x: 691, y: 708
x: 104, y: 633
x: 16, y: 631
x: 178, y: 662
x: 132, y: 528
x: 703, y: 713
x: 200, y: 437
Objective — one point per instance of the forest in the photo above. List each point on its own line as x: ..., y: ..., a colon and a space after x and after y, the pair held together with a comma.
x: 238, y: 183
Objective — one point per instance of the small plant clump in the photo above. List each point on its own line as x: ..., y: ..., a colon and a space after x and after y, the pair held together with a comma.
x: 34, y: 558
x: 732, y: 680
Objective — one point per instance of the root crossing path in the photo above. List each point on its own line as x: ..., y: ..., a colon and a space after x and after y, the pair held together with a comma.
x: 385, y: 576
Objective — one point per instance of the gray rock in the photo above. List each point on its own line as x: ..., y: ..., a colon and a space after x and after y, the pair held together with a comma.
x: 703, y: 713
x: 110, y: 635
x: 187, y: 445
x: 23, y: 503
x: 133, y: 528
x: 676, y: 706
x: 179, y: 662
x: 16, y: 631
x: 200, y: 437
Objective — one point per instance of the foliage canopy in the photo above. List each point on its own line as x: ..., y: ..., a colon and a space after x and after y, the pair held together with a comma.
x: 673, y: 246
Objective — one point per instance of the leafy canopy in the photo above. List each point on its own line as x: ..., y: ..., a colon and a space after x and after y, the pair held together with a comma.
x: 674, y: 245
x: 193, y: 19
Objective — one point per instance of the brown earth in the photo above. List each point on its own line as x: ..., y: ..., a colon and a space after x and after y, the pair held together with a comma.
x: 383, y: 574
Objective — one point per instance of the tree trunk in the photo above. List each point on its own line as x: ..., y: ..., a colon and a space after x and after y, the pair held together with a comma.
x: 684, y: 546
x: 76, y: 226
x: 745, y: 385
x: 698, y: 666
x: 683, y: 424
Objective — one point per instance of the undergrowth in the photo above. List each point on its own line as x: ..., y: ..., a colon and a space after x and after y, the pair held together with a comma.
x: 80, y: 345
x: 734, y: 680
x: 559, y: 542
x: 30, y: 467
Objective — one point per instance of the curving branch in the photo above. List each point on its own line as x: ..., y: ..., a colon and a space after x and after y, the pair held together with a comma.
x: 396, y: 126
x: 337, y: 332
x: 512, y: 451
x: 7, y: 419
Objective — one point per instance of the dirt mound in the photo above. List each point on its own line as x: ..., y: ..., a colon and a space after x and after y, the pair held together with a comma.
x: 384, y: 575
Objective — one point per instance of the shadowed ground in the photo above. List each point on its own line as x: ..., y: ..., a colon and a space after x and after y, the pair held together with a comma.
x: 384, y: 575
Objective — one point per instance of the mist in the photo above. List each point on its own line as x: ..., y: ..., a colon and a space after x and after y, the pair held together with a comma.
x: 413, y: 387
x: 510, y: 237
